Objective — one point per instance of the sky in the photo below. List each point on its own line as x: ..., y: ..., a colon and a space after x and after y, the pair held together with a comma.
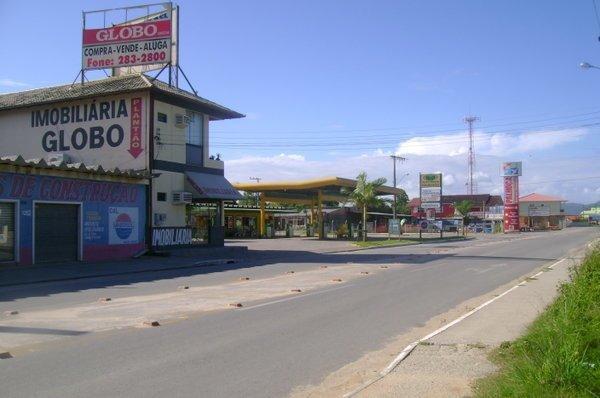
x: 335, y: 87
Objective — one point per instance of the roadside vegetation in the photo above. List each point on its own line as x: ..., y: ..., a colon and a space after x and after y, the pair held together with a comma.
x: 404, y: 241
x: 463, y: 208
x: 559, y: 356
x: 365, y: 196
x: 386, y: 242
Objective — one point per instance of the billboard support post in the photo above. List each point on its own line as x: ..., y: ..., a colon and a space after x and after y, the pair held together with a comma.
x: 187, y: 80
x: 430, y: 192
x: 82, y: 30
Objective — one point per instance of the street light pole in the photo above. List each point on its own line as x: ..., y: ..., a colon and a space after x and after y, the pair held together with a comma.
x: 394, y: 158
x: 586, y: 65
x: 257, y: 179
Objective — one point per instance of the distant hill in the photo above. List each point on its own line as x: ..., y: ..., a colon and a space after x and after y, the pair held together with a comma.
x: 576, y: 208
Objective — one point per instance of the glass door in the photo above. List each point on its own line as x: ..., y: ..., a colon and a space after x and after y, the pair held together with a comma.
x: 7, y: 231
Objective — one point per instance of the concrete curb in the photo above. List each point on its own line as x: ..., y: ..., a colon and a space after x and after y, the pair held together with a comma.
x: 357, y: 249
x: 205, y: 263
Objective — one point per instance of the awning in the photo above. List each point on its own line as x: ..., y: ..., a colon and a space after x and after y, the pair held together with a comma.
x: 210, y: 186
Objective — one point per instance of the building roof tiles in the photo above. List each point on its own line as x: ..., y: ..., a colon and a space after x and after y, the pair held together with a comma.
x: 17, y: 160
x: 108, y: 86
x: 537, y: 197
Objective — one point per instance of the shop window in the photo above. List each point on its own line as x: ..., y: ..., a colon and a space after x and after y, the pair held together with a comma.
x: 161, y: 196
x: 162, y: 117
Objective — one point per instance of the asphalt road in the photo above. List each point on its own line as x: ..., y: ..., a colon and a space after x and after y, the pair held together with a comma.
x: 267, y: 349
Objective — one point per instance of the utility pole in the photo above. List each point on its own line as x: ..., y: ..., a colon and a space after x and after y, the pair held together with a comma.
x: 257, y: 179
x: 394, y: 158
x: 470, y: 120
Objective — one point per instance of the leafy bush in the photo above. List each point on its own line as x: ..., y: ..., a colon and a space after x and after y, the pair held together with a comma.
x: 342, y: 231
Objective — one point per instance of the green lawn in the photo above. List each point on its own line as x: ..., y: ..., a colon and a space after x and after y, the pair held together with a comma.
x: 559, y: 356
x: 386, y: 242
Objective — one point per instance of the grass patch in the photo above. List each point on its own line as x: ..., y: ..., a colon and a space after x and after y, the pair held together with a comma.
x: 404, y: 241
x: 559, y: 356
x: 386, y: 242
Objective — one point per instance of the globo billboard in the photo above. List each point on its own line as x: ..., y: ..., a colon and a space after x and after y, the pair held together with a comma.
x: 128, y: 44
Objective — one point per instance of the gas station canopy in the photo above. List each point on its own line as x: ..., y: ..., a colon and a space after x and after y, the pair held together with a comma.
x: 308, y: 192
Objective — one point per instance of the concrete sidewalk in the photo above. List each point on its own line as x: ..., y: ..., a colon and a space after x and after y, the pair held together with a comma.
x: 235, y: 250
x: 23, y: 275
x: 447, y: 364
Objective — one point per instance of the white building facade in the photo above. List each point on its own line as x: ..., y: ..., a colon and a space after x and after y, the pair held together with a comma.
x: 131, y: 123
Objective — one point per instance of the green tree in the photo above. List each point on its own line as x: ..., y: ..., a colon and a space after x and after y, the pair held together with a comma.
x: 463, y: 208
x: 365, y: 196
x: 249, y: 199
x: 402, y: 203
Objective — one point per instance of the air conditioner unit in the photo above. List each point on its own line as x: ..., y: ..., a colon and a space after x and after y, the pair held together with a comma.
x: 182, y: 197
x: 181, y: 121
x: 160, y: 218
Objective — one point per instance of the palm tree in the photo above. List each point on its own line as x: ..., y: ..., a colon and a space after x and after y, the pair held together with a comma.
x: 365, y: 195
x: 463, y: 207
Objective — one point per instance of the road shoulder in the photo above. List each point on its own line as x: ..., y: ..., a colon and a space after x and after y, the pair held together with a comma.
x: 447, y: 364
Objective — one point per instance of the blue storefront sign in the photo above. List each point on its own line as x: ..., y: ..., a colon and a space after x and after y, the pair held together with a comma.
x: 111, y: 217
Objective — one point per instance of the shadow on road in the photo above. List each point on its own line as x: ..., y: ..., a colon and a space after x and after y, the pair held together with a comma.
x: 28, y: 330
x: 251, y: 260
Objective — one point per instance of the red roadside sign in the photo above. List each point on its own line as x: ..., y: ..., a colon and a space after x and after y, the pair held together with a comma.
x: 135, y: 143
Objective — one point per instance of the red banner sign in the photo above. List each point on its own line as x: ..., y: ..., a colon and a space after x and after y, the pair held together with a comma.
x: 135, y: 143
x: 511, y: 204
x: 125, y: 33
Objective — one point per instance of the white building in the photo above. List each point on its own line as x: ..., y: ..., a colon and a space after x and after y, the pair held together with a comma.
x: 135, y: 123
x: 542, y: 212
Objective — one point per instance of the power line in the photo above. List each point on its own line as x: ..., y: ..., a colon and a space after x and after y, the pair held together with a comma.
x: 367, y: 130
x: 346, y: 145
x: 391, y: 138
x: 526, y: 183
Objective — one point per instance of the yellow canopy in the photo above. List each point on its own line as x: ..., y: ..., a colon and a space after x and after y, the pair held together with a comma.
x: 307, y: 192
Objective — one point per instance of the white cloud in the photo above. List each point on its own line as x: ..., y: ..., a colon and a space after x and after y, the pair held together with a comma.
x: 12, y: 83
x: 277, y: 159
x: 269, y: 168
x: 542, y: 177
x: 252, y: 115
x: 448, y: 157
x: 489, y: 144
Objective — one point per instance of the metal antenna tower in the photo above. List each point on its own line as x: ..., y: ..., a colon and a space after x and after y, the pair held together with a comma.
x: 470, y: 120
